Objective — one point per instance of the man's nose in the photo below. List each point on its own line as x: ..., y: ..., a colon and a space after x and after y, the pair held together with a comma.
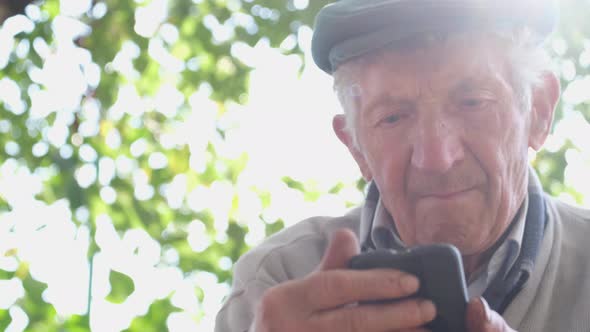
x: 436, y: 146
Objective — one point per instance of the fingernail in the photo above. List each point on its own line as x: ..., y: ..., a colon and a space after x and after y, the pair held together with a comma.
x: 427, y: 309
x: 409, y: 283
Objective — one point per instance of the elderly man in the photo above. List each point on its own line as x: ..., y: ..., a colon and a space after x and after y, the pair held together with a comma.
x: 442, y: 101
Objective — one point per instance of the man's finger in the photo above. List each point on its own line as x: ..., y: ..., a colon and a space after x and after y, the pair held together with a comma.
x: 481, y: 318
x: 343, y: 246
x: 407, y: 314
x: 335, y: 288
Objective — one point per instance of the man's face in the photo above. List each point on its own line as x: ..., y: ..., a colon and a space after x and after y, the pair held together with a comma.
x: 443, y: 134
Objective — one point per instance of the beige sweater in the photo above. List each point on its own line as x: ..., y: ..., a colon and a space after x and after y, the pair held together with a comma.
x: 555, y: 298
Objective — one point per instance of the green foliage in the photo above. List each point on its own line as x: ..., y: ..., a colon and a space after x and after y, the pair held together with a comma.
x: 272, y: 228
x: 116, y: 159
x: 5, y: 319
x: 121, y: 287
x: 310, y: 190
x: 155, y: 319
x: 5, y: 275
x: 42, y: 317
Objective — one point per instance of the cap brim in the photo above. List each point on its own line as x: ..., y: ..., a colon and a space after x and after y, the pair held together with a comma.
x: 350, y: 28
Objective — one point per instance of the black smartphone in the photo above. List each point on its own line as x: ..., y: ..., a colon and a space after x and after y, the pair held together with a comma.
x: 440, y: 270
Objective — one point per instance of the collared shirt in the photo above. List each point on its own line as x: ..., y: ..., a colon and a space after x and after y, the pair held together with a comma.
x: 384, y: 235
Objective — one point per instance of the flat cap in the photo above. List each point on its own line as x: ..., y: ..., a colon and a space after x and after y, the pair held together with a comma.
x: 349, y: 28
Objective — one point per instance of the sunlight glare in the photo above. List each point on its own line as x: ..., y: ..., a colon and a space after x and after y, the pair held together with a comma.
x: 148, y: 18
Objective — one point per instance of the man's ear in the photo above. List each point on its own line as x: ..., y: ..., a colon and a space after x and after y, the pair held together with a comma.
x: 544, y: 99
x: 345, y: 136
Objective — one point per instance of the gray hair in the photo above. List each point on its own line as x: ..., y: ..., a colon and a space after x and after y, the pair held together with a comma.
x: 527, y: 61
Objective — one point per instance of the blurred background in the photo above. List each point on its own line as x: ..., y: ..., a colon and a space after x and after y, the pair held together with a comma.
x: 146, y: 144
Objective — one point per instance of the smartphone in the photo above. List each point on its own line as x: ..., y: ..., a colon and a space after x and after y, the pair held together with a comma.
x: 440, y: 270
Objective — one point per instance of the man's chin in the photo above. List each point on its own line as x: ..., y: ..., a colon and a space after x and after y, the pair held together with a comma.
x: 467, y: 242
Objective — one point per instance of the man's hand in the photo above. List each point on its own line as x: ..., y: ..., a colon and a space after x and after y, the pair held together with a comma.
x: 326, y: 300
x: 480, y: 318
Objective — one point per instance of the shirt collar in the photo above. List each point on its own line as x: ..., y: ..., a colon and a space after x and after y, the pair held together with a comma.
x: 504, y: 257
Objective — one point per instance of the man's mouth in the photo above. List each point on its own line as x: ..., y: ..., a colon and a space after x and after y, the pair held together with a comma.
x: 446, y: 195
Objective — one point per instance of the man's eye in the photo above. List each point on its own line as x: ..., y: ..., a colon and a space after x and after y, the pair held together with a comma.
x: 391, y: 119
x: 474, y: 103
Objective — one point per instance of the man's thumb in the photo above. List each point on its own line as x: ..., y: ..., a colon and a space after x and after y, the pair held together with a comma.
x: 343, y: 246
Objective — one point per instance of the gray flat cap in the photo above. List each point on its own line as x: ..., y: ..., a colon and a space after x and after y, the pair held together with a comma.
x: 349, y: 28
